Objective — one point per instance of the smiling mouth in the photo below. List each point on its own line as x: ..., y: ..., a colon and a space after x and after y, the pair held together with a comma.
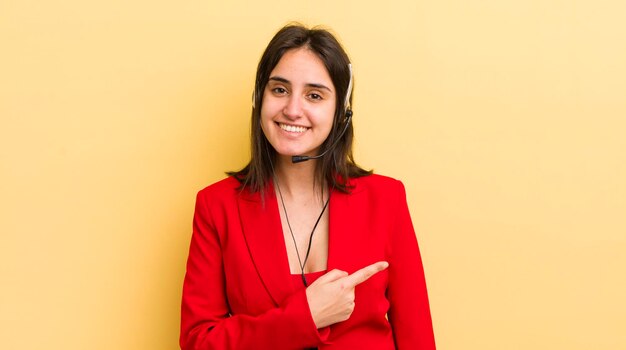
x: 293, y: 128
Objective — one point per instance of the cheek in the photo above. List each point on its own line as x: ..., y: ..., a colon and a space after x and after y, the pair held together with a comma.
x: 266, y: 115
x: 326, y: 118
x: 269, y: 109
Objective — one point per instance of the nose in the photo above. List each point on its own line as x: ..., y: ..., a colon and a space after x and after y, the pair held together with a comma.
x: 293, y: 108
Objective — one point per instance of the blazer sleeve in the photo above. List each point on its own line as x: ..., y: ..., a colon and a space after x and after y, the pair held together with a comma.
x: 206, y: 322
x: 409, y: 313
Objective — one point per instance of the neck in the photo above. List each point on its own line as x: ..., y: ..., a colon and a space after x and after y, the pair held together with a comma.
x: 298, y: 179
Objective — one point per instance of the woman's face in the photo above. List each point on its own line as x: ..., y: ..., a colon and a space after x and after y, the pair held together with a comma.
x: 298, y: 104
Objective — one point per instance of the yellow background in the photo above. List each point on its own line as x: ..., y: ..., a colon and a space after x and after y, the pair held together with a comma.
x: 505, y: 120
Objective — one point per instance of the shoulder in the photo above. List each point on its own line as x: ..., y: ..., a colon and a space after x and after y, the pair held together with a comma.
x: 220, y: 191
x: 378, y: 189
x: 224, y: 185
x: 376, y: 183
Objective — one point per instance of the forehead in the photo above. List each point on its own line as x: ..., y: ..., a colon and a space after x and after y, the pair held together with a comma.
x: 302, y: 66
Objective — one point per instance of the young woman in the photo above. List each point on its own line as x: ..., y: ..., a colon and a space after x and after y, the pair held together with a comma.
x: 302, y: 248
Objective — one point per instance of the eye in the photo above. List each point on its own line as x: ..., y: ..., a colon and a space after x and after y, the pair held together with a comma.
x: 314, y: 96
x: 279, y: 91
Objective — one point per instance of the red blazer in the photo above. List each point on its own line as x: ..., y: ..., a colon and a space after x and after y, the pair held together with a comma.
x: 238, y: 292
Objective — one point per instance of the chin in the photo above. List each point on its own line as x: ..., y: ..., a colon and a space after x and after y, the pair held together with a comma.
x: 289, y: 152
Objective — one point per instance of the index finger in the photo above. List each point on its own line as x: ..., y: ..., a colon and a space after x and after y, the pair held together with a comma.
x: 365, y: 273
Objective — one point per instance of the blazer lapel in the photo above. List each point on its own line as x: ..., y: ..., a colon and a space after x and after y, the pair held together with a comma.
x: 260, y: 223
x: 344, y: 218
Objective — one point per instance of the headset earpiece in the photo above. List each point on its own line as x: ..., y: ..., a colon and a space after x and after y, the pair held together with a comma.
x: 348, y: 110
x: 346, y: 102
x: 348, y: 116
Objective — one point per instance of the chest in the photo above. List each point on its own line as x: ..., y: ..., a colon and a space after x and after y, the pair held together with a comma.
x: 306, y: 239
x: 259, y: 254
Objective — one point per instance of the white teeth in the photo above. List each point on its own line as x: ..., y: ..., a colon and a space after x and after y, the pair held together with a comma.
x: 292, y: 128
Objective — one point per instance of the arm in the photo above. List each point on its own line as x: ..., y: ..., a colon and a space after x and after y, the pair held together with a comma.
x: 409, y: 312
x: 206, y: 322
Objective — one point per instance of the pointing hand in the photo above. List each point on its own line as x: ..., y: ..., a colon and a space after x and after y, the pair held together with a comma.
x: 331, y: 297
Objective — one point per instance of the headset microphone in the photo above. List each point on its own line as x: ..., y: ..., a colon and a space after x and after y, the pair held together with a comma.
x: 300, y: 159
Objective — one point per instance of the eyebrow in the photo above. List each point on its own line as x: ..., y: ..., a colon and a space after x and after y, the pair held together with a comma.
x: 313, y: 85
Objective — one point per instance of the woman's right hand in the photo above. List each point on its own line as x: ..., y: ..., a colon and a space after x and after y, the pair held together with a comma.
x: 331, y: 297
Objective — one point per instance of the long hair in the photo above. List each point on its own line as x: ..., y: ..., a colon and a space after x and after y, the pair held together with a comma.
x: 338, y: 165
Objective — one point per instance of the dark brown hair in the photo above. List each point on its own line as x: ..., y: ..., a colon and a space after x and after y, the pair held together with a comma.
x: 338, y: 165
